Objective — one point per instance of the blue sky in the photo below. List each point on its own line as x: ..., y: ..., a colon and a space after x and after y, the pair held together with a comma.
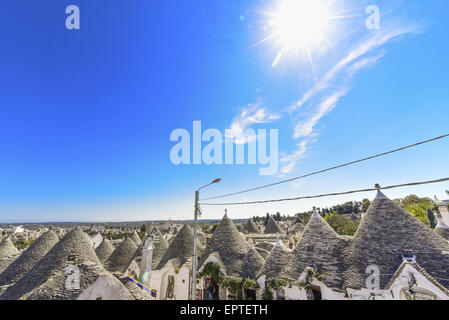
x: 86, y: 115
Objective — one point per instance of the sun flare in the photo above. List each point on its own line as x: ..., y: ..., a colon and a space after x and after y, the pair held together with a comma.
x: 298, y: 25
x: 300, y: 22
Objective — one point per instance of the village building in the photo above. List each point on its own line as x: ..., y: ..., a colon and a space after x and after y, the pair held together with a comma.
x: 15, y: 229
x: 297, y: 228
x: 28, y: 259
x: 444, y: 213
x: 8, y: 253
x: 319, y: 250
x: 104, y: 250
x: 121, y: 260
x: 392, y: 256
x: 388, y: 237
x: 263, y: 247
x: 160, y: 246
x: 171, y: 278
x: 410, y: 260
x: 135, y: 237
x: 7, y: 248
x: 95, y: 238
x: 272, y: 226
x: 441, y: 228
x: 72, y: 258
x: 276, y: 260
x: 229, y: 250
x: 251, y: 227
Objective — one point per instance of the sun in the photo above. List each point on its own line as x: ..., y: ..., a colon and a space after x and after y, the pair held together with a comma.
x: 298, y: 25
x: 300, y: 22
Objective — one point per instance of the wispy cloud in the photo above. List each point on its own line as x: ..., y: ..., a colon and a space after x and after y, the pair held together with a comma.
x: 364, y: 63
x: 324, y: 96
x: 289, y: 161
x: 249, y: 116
x: 363, y: 47
x: 305, y: 128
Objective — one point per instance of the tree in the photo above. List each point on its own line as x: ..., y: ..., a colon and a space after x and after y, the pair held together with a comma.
x: 431, y: 217
x: 342, y: 224
x: 419, y: 211
x: 143, y: 229
x: 409, y: 200
x: 214, y: 227
x: 365, y: 205
x: 418, y: 207
x: 277, y: 217
x: 205, y: 228
x: 266, y: 219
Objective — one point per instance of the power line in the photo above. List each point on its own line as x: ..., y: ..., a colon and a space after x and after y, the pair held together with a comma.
x: 329, y: 169
x: 328, y: 194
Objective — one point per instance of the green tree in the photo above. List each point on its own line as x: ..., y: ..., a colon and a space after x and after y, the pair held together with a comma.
x: 365, y: 205
x: 143, y: 229
x: 419, y: 211
x: 205, y: 228
x: 277, y: 217
x: 267, y: 294
x: 214, y: 227
x: 418, y: 207
x: 431, y: 217
x: 342, y: 224
x: 266, y: 219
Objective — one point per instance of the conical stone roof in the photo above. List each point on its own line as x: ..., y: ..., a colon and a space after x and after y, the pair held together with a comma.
x: 7, y: 248
x: 104, y: 250
x: 272, y: 227
x: 5, y: 263
x: 47, y: 280
x: 320, y: 248
x: 298, y: 228
x: 160, y: 246
x: 137, y: 292
x: 29, y: 258
x: 135, y: 237
x: 122, y: 256
x: 443, y: 232
x: 276, y: 261
x: 180, y: 248
x: 253, y: 263
x: 232, y: 248
x: 386, y: 233
x: 263, y: 253
x: 251, y: 227
x: 265, y: 245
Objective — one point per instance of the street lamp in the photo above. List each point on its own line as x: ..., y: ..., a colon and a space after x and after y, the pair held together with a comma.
x: 195, y: 237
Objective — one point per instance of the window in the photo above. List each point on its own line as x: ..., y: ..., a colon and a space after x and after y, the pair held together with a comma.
x: 250, y: 294
x: 280, y: 294
x: 316, y: 293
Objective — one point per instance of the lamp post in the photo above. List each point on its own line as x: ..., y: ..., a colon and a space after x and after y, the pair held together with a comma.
x: 195, y: 238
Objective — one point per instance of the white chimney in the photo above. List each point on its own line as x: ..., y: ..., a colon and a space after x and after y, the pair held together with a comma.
x: 147, y: 260
x: 443, y: 211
